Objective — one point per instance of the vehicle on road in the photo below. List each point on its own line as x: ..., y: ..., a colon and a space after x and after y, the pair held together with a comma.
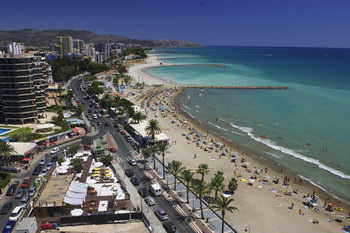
x: 26, y: 182
x: 156, y: 189
x: 37, y: 170
x: 11, y: 190
x: 161, y: 214
x: 42, y: 162
x: 9, y: 226
x: 135, y: 180
x: 129, y: 172
x: 150, y: 201
x: 169, y: 227
x: 6, y: 208
x: 132, y: 162
x: 16, y: 213
x: 25, y: 199
x: 55, y: 150
x: 19, y: 194
x: 31, y: 191
x: 143, y: 192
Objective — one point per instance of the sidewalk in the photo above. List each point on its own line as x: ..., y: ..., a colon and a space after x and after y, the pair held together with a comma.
x: 137, y: 200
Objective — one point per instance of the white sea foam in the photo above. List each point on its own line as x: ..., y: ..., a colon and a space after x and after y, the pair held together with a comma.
x: 288, y: 151
x: 313, y: 183
x: 216, y: 126
x: 197, y: 106
x: 185, y: 106
x: 274, y: 155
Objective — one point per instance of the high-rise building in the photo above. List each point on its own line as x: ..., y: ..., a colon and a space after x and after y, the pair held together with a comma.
x: 23, y: 85
x: 78, y: 46
x: 90, y: 51
x: 15, y: 48
x: 65, y: 45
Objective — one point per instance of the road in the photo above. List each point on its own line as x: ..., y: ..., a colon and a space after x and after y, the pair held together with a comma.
x: 126, y: 152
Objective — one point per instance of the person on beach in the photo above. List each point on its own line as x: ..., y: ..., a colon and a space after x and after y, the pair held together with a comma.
x: 195, y: 156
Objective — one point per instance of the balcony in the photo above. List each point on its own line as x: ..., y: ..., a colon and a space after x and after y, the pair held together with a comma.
x: 18, y: 98
x: 20, y: 110
x: 20, y: 115
x: 16, y: 92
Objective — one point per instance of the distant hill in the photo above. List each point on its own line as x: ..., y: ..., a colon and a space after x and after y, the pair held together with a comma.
x: 45, y: 38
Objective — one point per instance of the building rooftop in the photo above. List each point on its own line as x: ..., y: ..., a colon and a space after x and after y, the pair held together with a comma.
x: 134, y: 227
x: 24, y: 223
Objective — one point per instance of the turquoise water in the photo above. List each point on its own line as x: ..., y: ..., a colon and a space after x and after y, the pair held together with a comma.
x: 304, y: 128
x: 3, y: 131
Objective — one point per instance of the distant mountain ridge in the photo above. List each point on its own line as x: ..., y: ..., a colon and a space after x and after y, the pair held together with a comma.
x: 45, y: 38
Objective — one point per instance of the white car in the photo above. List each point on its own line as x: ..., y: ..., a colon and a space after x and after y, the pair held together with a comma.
x: 16, y: 213
x: 42, y: 162
x: 55, y: 150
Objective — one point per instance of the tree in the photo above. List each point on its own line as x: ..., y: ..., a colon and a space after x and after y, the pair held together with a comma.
x: 6, y: 150
x: 217, y: 183
x: 73, y: 149
x: 162, y: 148
x: 202, y: 170
x: 77, y: 164
x: 175, y: 167
x: 201, y: 188
x: 106, y: 160
x: 94, y: 88
x: 60, y: 160
x: 121, y: 69
x: 138, y: 117
x: 150, y: 152
x: 187, y: 176
x: 127, y: 80
x: 232, y: 185
x: 223, y: 204
x: 153, y: 128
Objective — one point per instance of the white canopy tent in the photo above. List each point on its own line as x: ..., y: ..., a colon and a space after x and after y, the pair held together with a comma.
x: 76, y: 193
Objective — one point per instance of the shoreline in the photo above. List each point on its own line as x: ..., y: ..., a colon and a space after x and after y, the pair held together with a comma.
x: 257, y: 159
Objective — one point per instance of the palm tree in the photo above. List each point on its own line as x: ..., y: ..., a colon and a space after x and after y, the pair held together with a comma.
x: 150, y: 152
x: 217, y: 183
x: 6, y: 150
x: 162, y: 148
x: 223, y: 204
x: 202, y: 170
x: 153, y: 128
x: 175, y: 167
x: 201, y: 188
x: 232, y: 185
x: 127, y: 80
x: 187, y: 176
x: 138, y: 116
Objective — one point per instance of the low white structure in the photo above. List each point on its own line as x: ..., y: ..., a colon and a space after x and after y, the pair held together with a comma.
x: 26, y: 225
x: 76, y: 193
x: 22, y: 148
x: 140, y: 128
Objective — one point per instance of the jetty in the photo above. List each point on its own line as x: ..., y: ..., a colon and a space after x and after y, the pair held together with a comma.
x: 240, y: 87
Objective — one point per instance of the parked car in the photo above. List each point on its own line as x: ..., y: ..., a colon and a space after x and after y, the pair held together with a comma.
x: 9, y: 226
x: 31, y: 191
x: 26, y: 182
x: 129, y: 172
x: 25, y: 199
x: 6, y: 208
x: 16, y: 213
x: 10, y: 169
x: 161, y: 214
x: 55, y: 150
x: 135, y: 180
x: 132, y: 162
x: 169, y: 227
x: 11, y: 190
x: 19, y: 194
x: 150, y: 201
x: 143, y: 192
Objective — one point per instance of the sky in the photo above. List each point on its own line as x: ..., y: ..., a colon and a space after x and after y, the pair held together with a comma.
x: 314, y: 23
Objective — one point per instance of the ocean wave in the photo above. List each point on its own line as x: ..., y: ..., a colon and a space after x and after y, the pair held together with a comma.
x: 274, y: 155
x: 313, y: 183
x: 274, y: 146
x: 197, y: 106
x: 185, y: 106
x: 234, y: 132
x: 216, y: 126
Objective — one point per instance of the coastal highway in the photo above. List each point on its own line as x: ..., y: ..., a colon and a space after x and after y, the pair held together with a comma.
x: 126, y: 152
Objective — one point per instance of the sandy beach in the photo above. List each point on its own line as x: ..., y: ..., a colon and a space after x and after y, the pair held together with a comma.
x: 264, y: 206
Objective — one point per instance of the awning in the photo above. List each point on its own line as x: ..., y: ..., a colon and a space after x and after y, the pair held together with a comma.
x: 26, y: 159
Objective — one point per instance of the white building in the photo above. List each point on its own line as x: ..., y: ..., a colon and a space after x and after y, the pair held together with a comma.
x: 90, y: 51
x: 15, y: 48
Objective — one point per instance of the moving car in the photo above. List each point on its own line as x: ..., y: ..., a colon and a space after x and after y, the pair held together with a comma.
x: 26, y: 182
x: 132, y: 162
x: 129, y: 172
x: 31, y: 191
x: 6, y: 208
x: 135, y: 180
x: 19, y: 194
x: 9, y: 226
x: 37, y: 171
x: 150, y: 201
x: 25, y: 199
x: 161, y: 214
x: 42, y: 162
x: 169, y: 227
x: 143, y: 192
x: 155, y: 189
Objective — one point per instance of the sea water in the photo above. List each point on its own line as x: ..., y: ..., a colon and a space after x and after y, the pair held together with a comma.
x: 304, y: 128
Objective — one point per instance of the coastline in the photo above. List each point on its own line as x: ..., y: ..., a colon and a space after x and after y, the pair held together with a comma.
x: 256, y: 159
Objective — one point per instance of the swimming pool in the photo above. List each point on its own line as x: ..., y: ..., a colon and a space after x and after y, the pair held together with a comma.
x: 4, y: 131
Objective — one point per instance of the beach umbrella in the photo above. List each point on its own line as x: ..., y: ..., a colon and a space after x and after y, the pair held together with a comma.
x: 98, y: 164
